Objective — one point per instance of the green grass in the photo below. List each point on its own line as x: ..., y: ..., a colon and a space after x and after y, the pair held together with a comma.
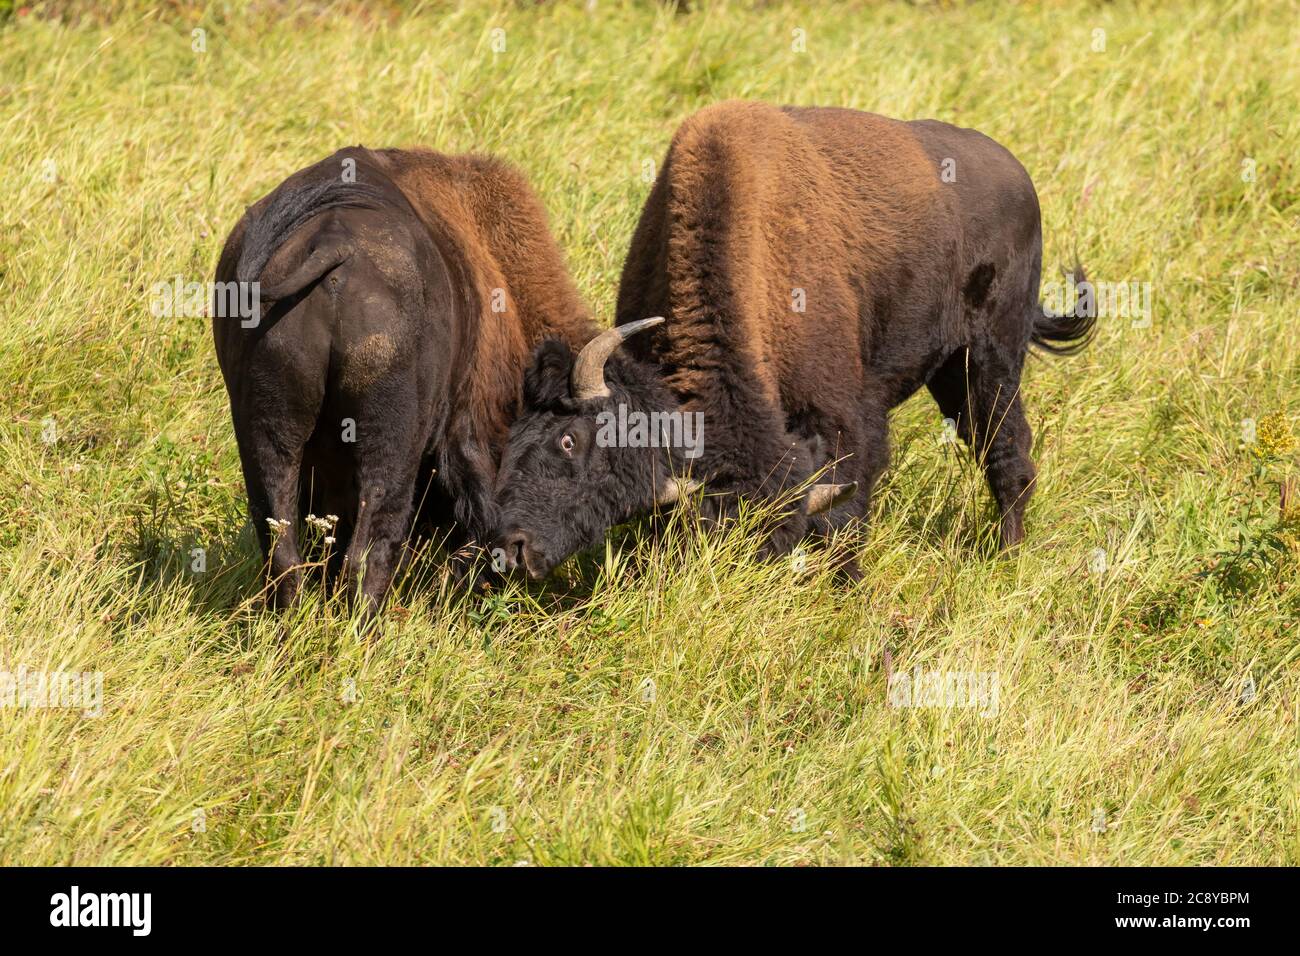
x: 681, y: 703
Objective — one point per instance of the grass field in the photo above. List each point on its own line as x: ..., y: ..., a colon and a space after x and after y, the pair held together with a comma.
x: 650, y: 709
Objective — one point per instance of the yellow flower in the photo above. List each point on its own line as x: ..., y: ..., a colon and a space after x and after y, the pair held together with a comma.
x: 1273, y: 438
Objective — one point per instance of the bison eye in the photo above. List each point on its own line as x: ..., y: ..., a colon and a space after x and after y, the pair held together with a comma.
x: 566, y: 444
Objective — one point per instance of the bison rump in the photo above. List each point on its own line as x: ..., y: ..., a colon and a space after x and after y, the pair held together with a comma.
x: 335, y: 391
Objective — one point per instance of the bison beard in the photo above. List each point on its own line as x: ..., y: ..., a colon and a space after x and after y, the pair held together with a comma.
x: 817, y: 267
x: 406, y: 290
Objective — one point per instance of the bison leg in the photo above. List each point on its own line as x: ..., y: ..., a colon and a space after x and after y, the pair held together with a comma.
x: 383, y: 522
x: 386, y: 469
x: 271, y: 477
x: 276, y: 391
x: 980, y: 391
x: 868, y: 461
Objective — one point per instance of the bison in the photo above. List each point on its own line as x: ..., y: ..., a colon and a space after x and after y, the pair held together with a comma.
x: 402, y: 294
x: 816, y: 267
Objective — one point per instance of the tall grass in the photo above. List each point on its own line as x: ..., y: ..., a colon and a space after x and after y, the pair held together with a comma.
x: 669, y: 700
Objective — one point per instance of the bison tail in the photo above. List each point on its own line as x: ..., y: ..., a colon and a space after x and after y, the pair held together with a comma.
x: 1069, y: 332
x: 292, y: 206
x: 312, y: 269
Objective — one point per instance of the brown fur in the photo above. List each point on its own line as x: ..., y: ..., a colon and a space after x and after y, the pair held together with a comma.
x: 383, y: 313
x: 909, y: 280
x: 484, y: 213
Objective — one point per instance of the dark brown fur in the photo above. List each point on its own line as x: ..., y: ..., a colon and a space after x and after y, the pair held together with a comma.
x: 384, y: 314
x: 906, y: 280
x: 909, y: 280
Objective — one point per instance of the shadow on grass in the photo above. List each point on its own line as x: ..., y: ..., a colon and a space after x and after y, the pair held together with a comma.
x: 185, y: 545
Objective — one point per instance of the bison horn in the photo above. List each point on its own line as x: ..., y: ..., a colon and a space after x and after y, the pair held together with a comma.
x: 823, y: 497
x: 588, y: 378
x: 675, y: 490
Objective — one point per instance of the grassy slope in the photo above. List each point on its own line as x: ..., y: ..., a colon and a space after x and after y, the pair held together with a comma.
x: 1119, y: 692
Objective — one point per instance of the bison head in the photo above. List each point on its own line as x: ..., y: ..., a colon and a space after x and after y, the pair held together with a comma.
x: 599, y: 441
x: 566, y: 477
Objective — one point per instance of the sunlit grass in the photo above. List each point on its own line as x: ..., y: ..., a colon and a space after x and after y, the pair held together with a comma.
x: 669, y: 700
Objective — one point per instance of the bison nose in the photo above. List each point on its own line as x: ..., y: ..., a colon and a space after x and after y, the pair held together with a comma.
x: 509, y: 553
